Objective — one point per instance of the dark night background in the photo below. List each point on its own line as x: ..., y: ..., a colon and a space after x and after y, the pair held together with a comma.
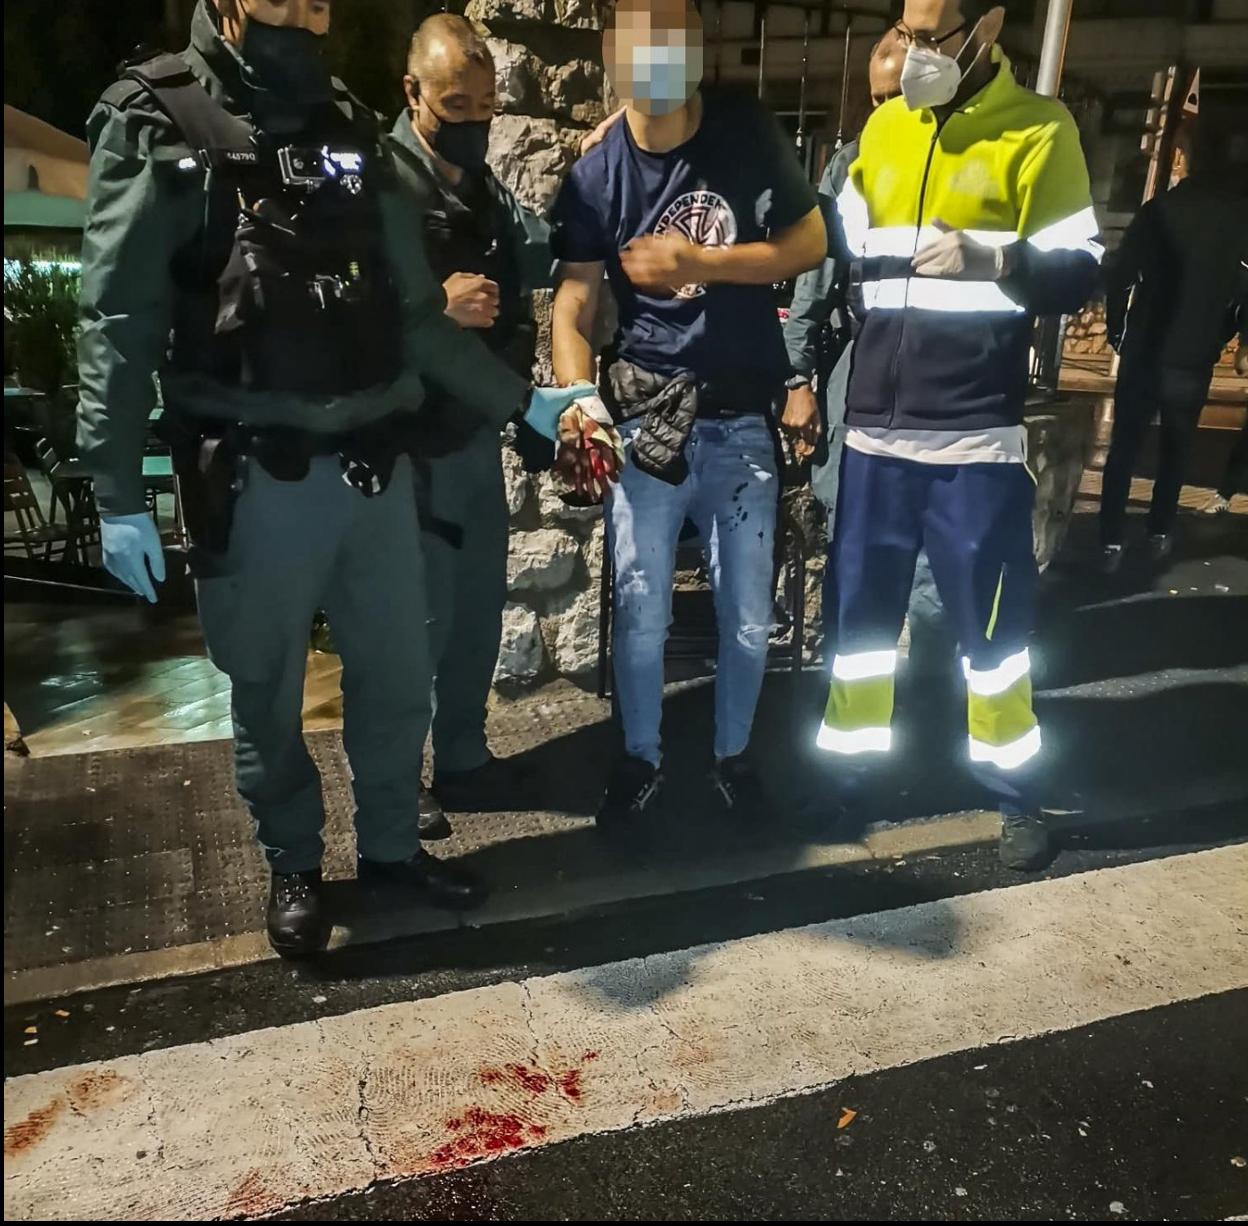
x: 60, y: 55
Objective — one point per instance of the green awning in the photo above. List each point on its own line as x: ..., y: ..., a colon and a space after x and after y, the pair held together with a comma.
x: 23, y: 210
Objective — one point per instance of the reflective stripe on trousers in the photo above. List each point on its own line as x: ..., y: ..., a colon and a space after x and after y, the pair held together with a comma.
x: 859, y: 714
x: 1002, y: 727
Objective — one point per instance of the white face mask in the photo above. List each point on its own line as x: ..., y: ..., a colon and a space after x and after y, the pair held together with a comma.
x: 931, y: 78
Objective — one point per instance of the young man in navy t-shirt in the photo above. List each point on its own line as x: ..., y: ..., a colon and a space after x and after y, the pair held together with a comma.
x: 694, y: 204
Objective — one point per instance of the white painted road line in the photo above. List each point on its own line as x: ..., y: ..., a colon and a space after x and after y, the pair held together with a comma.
x: 248, y: 1124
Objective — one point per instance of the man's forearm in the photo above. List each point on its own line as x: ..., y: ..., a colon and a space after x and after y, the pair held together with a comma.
x: 793, y: 250
x: 572, y: 323
x: 572, y: 355
x: 750, y: 264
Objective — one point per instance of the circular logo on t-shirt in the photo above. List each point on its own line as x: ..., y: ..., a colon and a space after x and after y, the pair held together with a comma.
x: 704, y: 218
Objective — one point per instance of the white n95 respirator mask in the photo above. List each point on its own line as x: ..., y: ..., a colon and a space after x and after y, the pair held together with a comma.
x: 931, y: 78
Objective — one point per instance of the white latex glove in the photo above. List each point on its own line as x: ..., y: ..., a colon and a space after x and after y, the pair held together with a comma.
x: 958, y: 257
x: 131, y: 547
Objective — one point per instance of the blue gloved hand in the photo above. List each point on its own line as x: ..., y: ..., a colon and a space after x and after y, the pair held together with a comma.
x: 131, y: 544
x: 547, y: 405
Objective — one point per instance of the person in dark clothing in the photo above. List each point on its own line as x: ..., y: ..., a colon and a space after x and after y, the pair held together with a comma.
x: 488, y: 252
x: 1235, y: 479
x: 1168, y: 304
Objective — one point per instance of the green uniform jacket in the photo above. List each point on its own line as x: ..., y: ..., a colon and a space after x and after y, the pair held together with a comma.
x: 142, y: 210
x: 530, y: 235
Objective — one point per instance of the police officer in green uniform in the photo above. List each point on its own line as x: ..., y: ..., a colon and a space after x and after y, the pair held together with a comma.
x: 489, y: 253
x: 247, y: 241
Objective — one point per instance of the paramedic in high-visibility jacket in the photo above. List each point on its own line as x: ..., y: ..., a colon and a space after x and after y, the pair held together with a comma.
x: 968, y: 212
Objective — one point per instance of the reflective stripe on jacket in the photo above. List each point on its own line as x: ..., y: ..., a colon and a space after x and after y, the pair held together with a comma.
x: 1007, y: 168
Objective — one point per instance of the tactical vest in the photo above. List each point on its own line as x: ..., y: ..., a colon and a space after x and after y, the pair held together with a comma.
x: 474, y: 240
x: 288, y: 288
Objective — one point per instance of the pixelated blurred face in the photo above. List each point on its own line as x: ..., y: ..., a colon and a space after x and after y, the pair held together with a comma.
x: 653, y: 54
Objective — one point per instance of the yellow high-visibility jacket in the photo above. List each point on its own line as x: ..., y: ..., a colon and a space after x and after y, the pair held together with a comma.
x: 1006, y: 166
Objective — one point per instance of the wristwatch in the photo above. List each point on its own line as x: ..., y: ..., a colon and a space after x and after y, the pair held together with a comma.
x: 795, y: 381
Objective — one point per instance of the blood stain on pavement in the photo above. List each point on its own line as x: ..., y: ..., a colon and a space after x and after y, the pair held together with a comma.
x: 251, y: 1197
x: 483, y: 1133
x: 22, y: 1137
x: 99, y: 1088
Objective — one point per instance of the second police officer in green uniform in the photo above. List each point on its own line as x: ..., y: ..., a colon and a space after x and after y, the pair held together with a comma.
x: 489, y: 252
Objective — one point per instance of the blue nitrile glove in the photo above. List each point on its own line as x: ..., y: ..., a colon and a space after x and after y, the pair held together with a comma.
x: 547, y: 405
x: 131, y: 544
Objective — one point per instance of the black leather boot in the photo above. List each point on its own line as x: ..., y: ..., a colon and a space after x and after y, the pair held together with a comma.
x: 298, y: 925
x: 441, y: 883
x: 433, y: 823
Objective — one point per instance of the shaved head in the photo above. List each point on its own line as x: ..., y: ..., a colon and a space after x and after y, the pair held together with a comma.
x: 451, y: 90
x: 884, y: 70
x: 442, y: 47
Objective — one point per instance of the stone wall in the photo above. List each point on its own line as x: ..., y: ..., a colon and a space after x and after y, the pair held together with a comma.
x: 551, y: 92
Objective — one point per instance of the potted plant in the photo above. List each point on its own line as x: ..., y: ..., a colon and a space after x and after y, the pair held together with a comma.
x: 40, y: 327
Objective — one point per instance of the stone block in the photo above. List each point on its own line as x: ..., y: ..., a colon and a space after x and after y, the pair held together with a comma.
x: 532, y: 156
x: 571, y: 632
x: 541, y: 561
x: 556, y: 511
x: 521, y: 11
x: 516, y: 482
x: 520, y: 654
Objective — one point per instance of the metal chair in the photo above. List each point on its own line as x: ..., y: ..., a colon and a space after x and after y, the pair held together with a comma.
x: 34, y: 532
x: 71, y: 492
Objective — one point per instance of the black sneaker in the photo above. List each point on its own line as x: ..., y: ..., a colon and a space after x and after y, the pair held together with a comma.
x: 737, y: 786
x: 632, y: 790
x: 297, y: 923
x: 496, y: 783
x: 1025, y: 842
x: 441, y: 883
x: 433, y: 823
x: 1111, y: 559
x: 1160, y: 547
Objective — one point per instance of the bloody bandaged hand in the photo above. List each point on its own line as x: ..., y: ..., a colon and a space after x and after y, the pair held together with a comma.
x: 590, y: 452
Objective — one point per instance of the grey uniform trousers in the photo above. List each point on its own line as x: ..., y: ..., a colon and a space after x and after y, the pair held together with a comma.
x: 298, y: 547
x: 467, y: 588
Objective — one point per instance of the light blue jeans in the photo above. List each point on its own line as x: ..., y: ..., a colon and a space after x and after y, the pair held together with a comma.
x: 731, y: 496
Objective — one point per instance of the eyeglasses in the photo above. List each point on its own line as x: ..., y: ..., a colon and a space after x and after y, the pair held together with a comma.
x: 925, y: 38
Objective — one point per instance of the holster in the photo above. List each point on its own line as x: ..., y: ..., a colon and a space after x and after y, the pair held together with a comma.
x: 210, y: 478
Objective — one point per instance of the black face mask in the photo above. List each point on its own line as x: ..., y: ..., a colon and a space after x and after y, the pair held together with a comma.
x: 463, y: 144
x: 287, y: 62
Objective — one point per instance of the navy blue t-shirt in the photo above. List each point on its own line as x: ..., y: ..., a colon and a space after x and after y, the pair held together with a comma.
x: 734, y: 181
